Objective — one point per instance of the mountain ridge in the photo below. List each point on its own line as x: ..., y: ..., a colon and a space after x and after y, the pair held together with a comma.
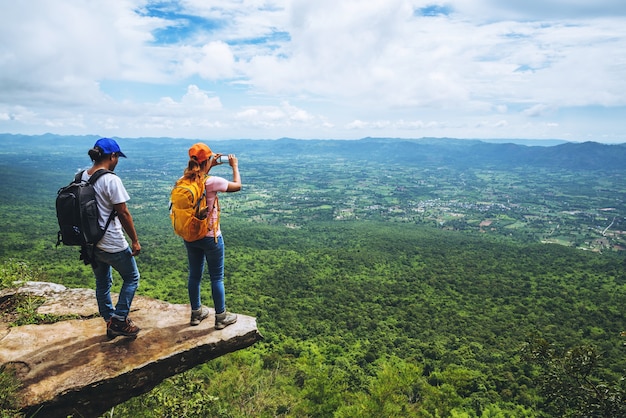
x: 461, y: 153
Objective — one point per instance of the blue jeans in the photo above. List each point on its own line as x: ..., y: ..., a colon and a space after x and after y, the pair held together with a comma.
x: 213, y: 252
x: 125, y: 265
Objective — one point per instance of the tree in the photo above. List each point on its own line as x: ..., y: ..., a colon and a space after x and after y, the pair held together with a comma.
x: 569, y: 382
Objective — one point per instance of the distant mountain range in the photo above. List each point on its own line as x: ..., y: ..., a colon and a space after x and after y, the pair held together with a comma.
x: 424, y: 151
x: 468, y: 153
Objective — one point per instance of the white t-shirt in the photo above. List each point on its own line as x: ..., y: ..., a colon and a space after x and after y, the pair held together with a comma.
x: 110, y: 191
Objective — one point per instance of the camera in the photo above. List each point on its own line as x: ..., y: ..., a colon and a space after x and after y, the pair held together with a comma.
x: 222, y: 159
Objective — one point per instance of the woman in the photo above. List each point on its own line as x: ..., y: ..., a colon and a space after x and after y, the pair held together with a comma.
x: 211, y: 247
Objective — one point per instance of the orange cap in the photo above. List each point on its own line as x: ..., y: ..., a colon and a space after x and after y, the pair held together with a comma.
x: 201, y: 151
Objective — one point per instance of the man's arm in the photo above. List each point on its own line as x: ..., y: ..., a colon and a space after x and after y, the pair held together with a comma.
x: 129, y: 226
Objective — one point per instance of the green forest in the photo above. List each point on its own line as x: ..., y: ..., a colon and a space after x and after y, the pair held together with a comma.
x: 361, y: 317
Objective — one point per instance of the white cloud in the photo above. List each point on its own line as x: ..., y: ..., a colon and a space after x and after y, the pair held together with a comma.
x: 200, y: 100
x: 313, y: 68
x: 536, y: 110
x: 212, y: 61
x: 284, y: 115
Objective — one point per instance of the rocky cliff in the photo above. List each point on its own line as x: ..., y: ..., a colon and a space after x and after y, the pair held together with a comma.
x: 71, y: 368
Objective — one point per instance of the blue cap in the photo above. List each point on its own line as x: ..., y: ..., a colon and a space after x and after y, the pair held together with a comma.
x: 109, y: 146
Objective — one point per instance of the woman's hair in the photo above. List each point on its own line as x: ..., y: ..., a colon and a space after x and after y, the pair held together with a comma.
x: 195, y: 170
x: 96, y: 154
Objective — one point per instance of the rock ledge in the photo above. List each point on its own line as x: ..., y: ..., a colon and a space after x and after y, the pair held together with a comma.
x: 72, y: 368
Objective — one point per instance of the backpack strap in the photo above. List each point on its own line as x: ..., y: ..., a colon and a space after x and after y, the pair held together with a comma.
x: 92, y: 180
x: 216, y: 205
x: 79, y: 176
x: 95, y: 176
x: 200, y: 198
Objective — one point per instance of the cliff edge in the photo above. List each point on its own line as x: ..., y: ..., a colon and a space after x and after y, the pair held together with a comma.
x: 71, y: 368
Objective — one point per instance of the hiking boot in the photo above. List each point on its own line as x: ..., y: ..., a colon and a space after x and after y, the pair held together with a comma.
x: 125, y: 328
x: 224, y: 319
x: 197, y: 315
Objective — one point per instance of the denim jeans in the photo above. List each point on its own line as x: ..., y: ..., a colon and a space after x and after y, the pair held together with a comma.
x: 124, y: 263
x: 213, y: 252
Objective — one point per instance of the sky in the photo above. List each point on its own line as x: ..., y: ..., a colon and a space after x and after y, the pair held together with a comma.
x: 315, y: 69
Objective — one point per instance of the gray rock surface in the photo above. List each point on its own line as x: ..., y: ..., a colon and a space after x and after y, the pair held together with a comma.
x: 71, y: 367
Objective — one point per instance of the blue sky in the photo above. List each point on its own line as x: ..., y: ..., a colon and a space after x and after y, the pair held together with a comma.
x: 343, y: 69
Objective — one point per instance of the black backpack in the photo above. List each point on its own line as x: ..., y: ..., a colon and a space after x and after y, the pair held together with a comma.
x: 77, y: 213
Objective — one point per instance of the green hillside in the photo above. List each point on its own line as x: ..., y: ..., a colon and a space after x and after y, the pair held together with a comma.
x: 371, y: 315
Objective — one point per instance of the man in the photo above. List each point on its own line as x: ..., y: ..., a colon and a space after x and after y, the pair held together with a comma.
x: 113, y: 249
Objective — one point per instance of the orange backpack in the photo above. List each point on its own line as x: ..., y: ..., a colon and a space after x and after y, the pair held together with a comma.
x: 187, y: 199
